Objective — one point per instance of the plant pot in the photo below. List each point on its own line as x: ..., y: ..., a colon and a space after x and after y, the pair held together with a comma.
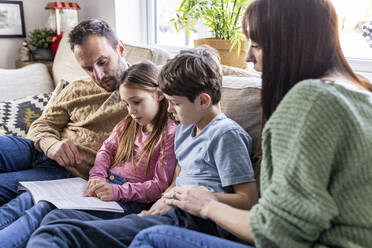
x: 231, y: 58
x: 42, y: 54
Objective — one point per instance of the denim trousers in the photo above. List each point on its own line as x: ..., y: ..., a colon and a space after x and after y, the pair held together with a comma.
x: 71, y: 228
x: 20, y: 161
x: 19, y: 218
x: 163, y: 236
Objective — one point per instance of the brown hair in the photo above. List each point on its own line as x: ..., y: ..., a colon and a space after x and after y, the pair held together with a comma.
x: 192, y: 72
x: 141, y: 76
x: 299, y: 40
x: 79, y: 35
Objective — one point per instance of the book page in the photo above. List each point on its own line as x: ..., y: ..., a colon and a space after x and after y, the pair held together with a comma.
x: 68, y: 194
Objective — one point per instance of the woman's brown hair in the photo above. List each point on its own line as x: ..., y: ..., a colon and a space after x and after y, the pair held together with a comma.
x: 299, y: 40
x: 141, y: 76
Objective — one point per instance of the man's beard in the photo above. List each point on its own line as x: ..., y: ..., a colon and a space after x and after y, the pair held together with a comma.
x: 122, y: 67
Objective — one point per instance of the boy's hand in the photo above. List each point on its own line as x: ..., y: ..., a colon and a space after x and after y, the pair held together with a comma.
x: 65, y: 153
x: 158, y: 207
x: 89, y: 192
x: 103, y: 191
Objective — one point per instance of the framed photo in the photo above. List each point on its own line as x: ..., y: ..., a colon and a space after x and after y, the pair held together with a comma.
x: 12, y: 23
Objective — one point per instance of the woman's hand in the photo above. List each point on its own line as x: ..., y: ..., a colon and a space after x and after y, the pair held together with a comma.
x: 89, y: 192
x: 192, y: 199
x: 158, y: 207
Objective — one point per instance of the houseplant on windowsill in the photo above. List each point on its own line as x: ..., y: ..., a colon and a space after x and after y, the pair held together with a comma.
x: 223, y: 19
x: 39, y: 41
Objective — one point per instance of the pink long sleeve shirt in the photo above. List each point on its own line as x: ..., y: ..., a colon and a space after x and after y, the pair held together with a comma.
x: 138, y: 188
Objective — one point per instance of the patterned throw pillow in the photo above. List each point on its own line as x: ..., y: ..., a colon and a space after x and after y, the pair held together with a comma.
x: 17, y: 115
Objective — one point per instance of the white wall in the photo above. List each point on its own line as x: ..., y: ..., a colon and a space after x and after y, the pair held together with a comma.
x: 131, y: 20
x: 36, y: 17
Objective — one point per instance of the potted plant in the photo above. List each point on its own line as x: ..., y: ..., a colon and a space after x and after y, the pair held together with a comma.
x: 39, y: 41
x: 223, y: 18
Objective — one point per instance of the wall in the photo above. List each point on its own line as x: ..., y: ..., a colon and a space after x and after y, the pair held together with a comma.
x: 131, y: 12
x: 36, y: 16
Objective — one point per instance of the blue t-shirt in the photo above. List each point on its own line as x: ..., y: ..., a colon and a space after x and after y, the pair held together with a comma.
x: 217, y: 158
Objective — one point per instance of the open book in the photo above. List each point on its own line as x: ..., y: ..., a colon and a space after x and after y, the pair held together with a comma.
x: 67, y: 194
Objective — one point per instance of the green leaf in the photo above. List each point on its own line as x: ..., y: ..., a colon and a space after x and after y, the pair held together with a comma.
x: 222, y: 17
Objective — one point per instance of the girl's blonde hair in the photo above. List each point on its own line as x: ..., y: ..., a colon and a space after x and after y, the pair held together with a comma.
x: 141, y: 76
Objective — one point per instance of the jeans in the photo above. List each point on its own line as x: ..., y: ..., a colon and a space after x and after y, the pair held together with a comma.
x: 20, y: 161
x: 19, y: 218
x: 62, y: 228
x: 163, y: 236
x: 129, y: 207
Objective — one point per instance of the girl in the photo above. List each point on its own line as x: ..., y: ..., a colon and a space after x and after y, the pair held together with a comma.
x: 134, y: 165
x: 316, y: 143
x: 140, y: 147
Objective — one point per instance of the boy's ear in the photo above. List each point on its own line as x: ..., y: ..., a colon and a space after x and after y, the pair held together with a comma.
x: 121, y: 48
x: 159, y: 95
x: 205, y: 100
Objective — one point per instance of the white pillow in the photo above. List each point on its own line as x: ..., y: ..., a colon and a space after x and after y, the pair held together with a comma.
x: 30, y: 80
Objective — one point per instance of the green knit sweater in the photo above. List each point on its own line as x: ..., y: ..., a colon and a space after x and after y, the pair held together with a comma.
x: 316, y: 174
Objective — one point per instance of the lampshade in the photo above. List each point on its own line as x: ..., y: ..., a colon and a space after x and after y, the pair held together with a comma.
x: 62, y: 5
x: 59, y: 9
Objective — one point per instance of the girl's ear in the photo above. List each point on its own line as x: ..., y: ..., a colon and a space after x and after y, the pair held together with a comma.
x: 159, y: 95
x: 121, y: 48
x: 205, y: 100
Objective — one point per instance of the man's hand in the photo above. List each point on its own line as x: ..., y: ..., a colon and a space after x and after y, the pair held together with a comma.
x: 158, y: 207
x: 65, y: 153
x: 89, y: 192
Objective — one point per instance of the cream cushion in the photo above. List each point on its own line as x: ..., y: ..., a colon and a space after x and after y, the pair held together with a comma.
x: 135, y: 53
x: 26, y: 81
x: 65, y: 65
x: 241, y: 101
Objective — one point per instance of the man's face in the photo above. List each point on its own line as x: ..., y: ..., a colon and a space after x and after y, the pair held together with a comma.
x: 103, y: 64
x: 183, y: 110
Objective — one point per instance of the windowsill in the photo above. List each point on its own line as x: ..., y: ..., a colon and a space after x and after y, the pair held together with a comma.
x: 361, y: 65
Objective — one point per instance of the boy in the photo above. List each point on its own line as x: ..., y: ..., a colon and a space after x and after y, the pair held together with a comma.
x: 212, y: 151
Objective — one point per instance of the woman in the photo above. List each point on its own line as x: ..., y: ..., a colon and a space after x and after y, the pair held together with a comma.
x: 316, y: 174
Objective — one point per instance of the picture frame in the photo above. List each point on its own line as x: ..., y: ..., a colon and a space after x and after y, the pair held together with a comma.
x: 12, y: 23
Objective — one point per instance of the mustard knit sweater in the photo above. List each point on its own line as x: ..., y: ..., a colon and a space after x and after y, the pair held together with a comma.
x: 316, y: 175
x: 84, y: 113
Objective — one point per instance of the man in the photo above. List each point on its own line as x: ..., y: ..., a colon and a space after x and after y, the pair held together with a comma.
x: 64, y: 140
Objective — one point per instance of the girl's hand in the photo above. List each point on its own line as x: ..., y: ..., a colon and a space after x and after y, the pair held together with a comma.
x: 89, y: 192
x: 104, y: 191
x: 192, y: 199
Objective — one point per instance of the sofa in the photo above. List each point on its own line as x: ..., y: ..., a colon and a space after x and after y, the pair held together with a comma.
x: 25, y: 92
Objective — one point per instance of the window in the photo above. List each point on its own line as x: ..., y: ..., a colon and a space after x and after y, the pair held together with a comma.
x: 165, y: 33
x: 355, y: 18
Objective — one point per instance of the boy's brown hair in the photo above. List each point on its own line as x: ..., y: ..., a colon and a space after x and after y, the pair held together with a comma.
x: 192, y: 72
